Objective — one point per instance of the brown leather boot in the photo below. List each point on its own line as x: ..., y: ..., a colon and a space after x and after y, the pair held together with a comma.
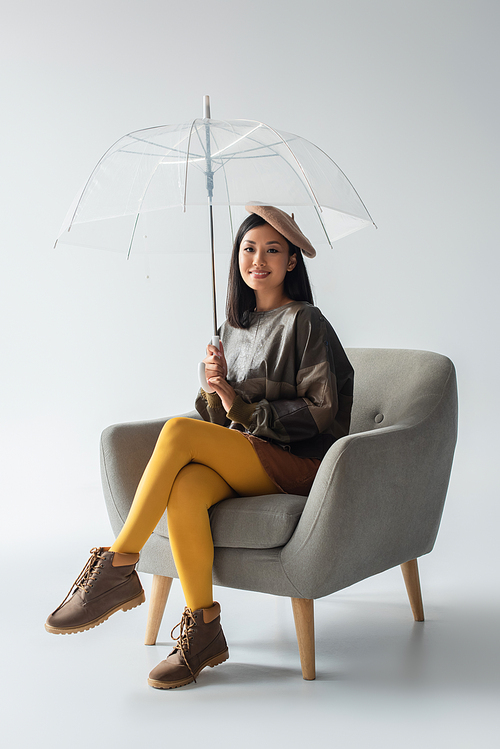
x: 107, y: 583
x: 201, y: 643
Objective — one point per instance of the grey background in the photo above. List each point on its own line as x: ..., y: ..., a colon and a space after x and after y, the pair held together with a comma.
x: 404, y: 96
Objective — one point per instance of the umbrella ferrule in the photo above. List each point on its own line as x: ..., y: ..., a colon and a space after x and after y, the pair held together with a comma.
x: 206, y: 107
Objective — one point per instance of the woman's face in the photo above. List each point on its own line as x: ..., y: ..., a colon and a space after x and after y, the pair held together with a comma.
x: 264, y: 259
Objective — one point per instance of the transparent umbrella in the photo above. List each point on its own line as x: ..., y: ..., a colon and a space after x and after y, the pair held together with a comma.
x: 148, y: 190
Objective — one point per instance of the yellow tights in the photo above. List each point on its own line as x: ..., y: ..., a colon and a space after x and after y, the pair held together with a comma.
x: 195, y: 464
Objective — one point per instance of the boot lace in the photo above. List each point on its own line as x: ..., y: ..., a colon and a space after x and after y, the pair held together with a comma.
x: 88, y: 574
x: 186, y: 631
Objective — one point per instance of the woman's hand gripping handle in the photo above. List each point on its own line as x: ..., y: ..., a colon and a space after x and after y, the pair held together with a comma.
x: 203, y: 372
x: 213, y: 372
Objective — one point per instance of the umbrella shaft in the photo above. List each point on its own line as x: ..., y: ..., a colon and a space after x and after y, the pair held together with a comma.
x: 212, y: 252
x: 208, y: 164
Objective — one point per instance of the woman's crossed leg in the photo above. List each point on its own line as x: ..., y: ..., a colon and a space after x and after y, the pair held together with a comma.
x: 195, y: 464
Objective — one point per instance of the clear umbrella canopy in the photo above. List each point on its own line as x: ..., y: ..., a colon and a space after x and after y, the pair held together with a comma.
x: 151, y: 188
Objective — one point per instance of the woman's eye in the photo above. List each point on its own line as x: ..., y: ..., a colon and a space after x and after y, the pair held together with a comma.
x: 272, y: 249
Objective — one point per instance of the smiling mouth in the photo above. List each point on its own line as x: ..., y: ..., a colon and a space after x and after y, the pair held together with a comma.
x: 259, y: 273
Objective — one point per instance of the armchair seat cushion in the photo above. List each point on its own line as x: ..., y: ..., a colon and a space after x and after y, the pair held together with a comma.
x: 263, y: 522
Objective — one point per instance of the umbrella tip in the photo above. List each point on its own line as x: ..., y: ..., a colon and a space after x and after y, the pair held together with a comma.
x: 206, y: 107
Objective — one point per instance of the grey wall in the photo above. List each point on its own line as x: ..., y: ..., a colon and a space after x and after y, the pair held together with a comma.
x: 402, y: 94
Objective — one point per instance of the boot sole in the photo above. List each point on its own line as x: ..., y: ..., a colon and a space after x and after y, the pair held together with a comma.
x: 216, y: 660
x: 132, y: 604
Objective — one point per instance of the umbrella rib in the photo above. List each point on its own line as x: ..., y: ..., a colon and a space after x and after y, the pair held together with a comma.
x: 227, y: 158
x: 281, y: 140
x: 187, y: 164
x: 173, y: 152
x: 201, y: 156
x: 317, y: 206
x: 242, y: 137
x: 278, y: 135
x: 153, y: 172
x: 132, y: 237
x: 323, y: 226
x: 89, y: 180
x: 170, y: 149
x: 222, y: 166
x: 133, y: 136
x: 217, y: 155
x: 348, y: 180
x: 103, y: 157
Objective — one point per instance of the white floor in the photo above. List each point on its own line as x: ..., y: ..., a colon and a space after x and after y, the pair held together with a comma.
x: 382, y: 680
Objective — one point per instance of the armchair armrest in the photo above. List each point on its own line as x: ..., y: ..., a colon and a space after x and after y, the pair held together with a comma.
x: 376, y: 502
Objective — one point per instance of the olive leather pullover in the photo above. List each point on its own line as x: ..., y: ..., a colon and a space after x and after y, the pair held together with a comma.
x: 293, y: 380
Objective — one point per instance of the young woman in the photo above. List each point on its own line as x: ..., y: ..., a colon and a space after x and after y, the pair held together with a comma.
x: 283, y: 394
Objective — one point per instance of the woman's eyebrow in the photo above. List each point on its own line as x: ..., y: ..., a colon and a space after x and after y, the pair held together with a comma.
x: 273, y: 241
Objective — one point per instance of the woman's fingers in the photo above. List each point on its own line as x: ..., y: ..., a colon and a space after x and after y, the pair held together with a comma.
x: 213, y: 350
x: 223, y: 358
x: 224, y: 390
x: 215, y: 357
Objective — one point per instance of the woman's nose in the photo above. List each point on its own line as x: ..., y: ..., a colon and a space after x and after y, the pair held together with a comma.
x: 258, y: 259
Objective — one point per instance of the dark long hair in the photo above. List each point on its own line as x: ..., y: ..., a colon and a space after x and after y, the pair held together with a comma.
x: 240, y: 300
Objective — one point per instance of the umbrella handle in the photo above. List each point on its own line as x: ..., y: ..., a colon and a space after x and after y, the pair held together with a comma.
x: 201, y: 368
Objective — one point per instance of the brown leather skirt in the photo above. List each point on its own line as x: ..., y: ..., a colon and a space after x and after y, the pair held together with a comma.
x: 290, y: 473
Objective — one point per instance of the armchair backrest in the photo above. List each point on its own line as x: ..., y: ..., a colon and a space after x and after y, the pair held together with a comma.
x: 396, y: 386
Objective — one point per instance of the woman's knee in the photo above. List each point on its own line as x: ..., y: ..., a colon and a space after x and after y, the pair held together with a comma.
x: 175, y: 425
x: 175, y: 431
x: 196, y: 486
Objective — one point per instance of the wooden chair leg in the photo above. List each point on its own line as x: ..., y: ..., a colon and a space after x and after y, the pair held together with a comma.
x: 412, y: 582
x: 303, y: 614
x: 159, y: 594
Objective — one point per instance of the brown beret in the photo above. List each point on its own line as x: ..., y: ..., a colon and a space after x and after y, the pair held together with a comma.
x: 285, y: 225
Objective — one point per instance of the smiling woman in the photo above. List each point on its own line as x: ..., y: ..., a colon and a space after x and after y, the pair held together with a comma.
x: 262, y: 249
x: 282, y: 395
x: 265, y: 258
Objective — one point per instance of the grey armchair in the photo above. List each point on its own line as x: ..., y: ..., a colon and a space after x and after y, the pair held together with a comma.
x: 376, y: 501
